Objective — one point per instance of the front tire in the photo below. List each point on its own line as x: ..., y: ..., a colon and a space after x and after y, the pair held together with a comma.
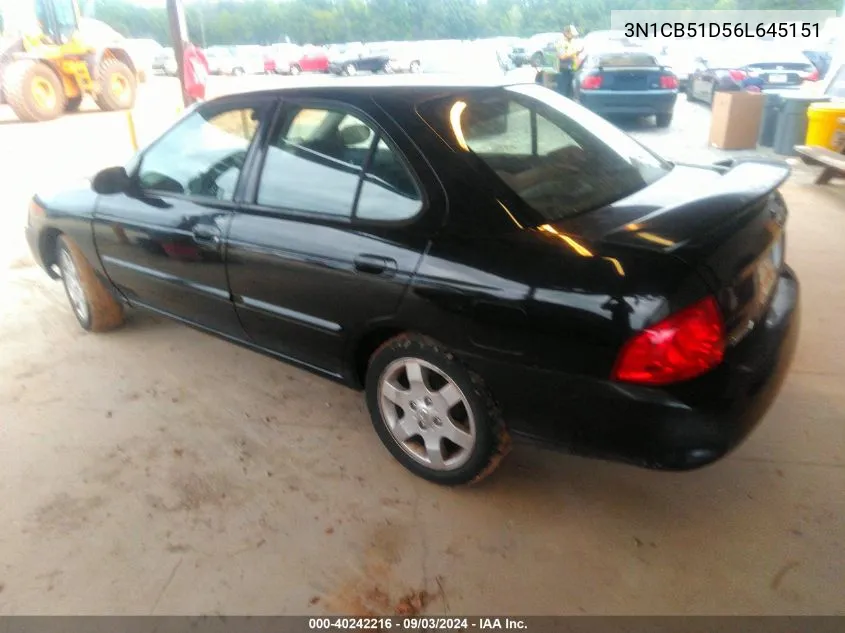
x: 295, y: 70
x: 350, y: 70
x: 92, y: 304
x: 118, y: 86
x: 238, y: 72
x: 415, y: 67
x: 433, y: 415
x: 33, y: 91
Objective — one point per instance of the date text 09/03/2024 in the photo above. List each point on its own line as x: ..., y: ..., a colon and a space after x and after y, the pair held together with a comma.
x: 416, y: 624
x: 781, y: 30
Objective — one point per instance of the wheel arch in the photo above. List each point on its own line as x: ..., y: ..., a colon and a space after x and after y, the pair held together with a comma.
x: 364, y: 345
x: 47, y: 249
x: 120, y: 54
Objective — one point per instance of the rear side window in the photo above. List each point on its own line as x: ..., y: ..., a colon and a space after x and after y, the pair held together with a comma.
x: 328, y: 161
x: 388, y: 192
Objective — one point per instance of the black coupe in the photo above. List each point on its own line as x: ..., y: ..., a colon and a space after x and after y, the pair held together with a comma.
x: 480, y: 259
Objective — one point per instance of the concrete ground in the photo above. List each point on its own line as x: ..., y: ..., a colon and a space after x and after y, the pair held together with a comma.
x: 157, y: 470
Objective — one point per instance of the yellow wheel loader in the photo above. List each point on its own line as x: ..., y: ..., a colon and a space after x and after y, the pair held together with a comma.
x: 47, y: 67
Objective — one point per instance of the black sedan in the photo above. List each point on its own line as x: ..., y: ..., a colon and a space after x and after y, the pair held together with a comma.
x: 353, y: 61
x: 626, y: 82
x: 482, y: 260
x: 766, y: 69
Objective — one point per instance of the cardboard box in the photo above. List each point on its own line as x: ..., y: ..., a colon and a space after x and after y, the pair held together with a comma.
x: 735, y: 119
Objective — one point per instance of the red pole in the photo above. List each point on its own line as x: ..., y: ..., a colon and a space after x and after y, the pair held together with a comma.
x: 178, y: 34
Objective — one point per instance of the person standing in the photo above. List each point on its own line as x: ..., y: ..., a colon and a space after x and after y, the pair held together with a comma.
x: 568, y: 53
x: 196, y: 73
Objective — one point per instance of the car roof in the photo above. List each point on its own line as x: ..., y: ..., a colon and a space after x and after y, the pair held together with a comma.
x: 418, y: 86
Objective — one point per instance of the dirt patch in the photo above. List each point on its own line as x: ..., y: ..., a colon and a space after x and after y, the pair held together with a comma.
x: 21, y: 262
x: 375, y: 590
x: 65, y: 513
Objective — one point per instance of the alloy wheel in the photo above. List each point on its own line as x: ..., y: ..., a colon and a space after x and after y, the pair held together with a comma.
x: 427, y: 414
x: 70, y: 277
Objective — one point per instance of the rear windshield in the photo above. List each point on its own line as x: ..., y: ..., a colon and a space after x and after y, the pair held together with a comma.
x: 625, y: 60
x: 558, y: 157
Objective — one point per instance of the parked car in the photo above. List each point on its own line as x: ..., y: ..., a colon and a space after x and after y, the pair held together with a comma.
x: 312, y: 59
x: 541, y: 48
x: 626, y: 82
x: 727, y: 71
x: 285, y: 58
x: 248, y: 60
x: 820, y: 59
x: 520, y: 55
x: 354, y: 59
x: 405, y: 58
x: 643, y: 313
x: 235, y: 61
x: 165, y: 62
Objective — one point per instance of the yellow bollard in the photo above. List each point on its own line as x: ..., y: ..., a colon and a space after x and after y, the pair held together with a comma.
x: 133, y: 136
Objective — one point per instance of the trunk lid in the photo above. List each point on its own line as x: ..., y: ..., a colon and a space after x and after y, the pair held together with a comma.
x: 726, y: 222
x: 630, y: 78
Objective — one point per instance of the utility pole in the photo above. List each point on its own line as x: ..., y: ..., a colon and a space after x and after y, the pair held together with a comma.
x: 178, y: 35
x: 202, y: 24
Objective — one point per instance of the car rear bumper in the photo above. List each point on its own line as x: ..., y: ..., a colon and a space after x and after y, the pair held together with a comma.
x: 628, y: 102
x: 682, y: 427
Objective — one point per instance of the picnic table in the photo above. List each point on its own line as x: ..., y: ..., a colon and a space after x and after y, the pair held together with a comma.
x: 832, y: 161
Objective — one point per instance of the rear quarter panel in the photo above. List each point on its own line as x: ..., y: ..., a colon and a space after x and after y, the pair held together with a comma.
x: 529, y: 312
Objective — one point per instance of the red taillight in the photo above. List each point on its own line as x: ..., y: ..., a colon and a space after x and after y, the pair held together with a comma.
x: 737, y: 75
x: 591, y: 82
x: 813, y: 75
x: 668, y: 82
x: 682, y: 346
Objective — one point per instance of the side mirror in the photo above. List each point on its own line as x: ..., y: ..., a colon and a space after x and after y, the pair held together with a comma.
x: 111, y: 181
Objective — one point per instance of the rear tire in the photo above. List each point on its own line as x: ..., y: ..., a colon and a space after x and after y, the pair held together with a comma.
x: 118, y: 86
x: 237, y: 72
x: 73, y: 104
x: 33, y: 91
x: 350, y: 70
x: 295, y: 70
x: 441, y: 402
x: 415, y: 67
x: 537, y: 60
x: 664, y: 119
x: 93, y: 305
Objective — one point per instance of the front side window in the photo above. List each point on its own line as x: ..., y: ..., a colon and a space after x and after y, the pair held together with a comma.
x: 202, y: 156
x: 556, y: 156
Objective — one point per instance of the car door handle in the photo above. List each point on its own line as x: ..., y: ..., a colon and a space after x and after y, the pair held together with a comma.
x: 375, y: 265
x: 209, y: 235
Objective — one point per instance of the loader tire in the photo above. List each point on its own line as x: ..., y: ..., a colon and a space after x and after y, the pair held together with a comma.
x: 118, y: 86
x: 33, y: 91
